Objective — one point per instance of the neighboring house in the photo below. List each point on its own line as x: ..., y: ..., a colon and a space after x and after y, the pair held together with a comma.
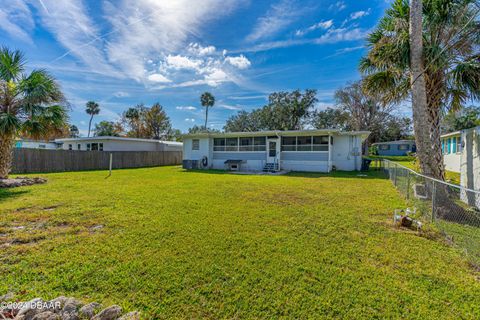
x: 470, y: 165
x: 452, y: 150
x: 36, y: 144
x: 395, y: 148
x: 306, y: 150
x: 117, y: 144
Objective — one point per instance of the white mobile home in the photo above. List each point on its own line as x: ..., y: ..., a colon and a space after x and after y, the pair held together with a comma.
x: 302, y: 150
x: 117, y: 144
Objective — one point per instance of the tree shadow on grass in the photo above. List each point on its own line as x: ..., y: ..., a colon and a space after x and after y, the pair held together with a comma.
x: 10, y: 193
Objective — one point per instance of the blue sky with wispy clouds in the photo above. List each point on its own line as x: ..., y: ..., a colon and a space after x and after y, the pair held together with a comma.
x: 124, y: 52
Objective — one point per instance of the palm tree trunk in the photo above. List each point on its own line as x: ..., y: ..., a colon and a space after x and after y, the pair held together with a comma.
x: 6, y: 155
x: 89, y: 126
x: 421, y: 122
x: 206, y: 117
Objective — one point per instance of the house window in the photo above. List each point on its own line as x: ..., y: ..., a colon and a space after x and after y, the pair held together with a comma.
x: 100, y: 146
x: 449, y: 145
x: 454, y: 145
x: 304, y: 143
x: 259, y: 143
x: 443, y: 146
x: 459, y: 145
x: 320, y: 143
x: 246, y: 144
x: 79, y: 146
x: 89, y: 147
x: 42, y: 146
x: 403, y: 147
x: 231, y: 144
x: 219, y: 144
x: 195, y: 144
x: 384, y: 147
x: 70, y: 147
x: 94, y: 146
x: 289, y: 143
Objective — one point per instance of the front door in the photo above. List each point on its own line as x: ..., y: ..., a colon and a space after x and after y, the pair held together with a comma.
x: 273, y: 150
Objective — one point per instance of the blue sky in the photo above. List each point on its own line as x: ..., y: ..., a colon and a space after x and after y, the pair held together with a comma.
x: 124, y: 52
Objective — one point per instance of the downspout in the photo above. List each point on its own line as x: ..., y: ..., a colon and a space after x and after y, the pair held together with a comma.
x: 279, y: 154
x: 329, y: 152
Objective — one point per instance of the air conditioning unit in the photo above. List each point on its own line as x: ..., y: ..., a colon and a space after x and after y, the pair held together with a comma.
x: 190, y: 164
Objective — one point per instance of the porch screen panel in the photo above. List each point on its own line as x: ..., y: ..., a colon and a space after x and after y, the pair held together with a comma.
x: 289, y: 143
x: 246, y: 144
x: 320, y: 143
x: 259, y: 143
x: 231, y: 144
x: 219, y: 144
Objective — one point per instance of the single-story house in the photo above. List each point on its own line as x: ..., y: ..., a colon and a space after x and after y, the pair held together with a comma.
x: 300, y: 150
x: 117, y: 144
x: 36, y: 144
x: 470, y: 165
x: 452, y: 150
x: 395, y: 148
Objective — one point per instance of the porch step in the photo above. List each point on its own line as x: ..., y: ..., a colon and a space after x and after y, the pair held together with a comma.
x: 270, y: 167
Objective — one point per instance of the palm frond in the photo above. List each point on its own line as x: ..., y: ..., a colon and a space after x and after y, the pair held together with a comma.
x: 12, y: 64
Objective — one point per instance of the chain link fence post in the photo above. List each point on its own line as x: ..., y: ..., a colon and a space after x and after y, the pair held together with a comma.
x: 434, y: 196
x: 408, y: 185
x: 395, y: 175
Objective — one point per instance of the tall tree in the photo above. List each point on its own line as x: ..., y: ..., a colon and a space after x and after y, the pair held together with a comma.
x: 73, y: 131
x: 92, y: 108
x: 449, y: 64
x: 28, y: 105
x: 157, y: 123
x: 285, y: 111
x: 207, y: 100
x: 462, y: 119
x: 108, y: 129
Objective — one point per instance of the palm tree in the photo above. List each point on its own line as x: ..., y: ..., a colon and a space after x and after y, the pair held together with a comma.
x: 26, y: 105
x: 207, y: 100
x: 92, y: 108
x: 451, y: 66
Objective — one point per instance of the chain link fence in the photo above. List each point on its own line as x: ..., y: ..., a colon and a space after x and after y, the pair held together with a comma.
x: 453, y: 209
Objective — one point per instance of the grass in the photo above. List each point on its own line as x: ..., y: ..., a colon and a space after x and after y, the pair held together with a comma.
x: 214, y: 245
x: 410, y: 162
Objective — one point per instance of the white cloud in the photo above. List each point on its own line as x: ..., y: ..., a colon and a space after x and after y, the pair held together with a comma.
x: 189, y: 108
x: 241, y: 62
x: 159, y: 78
x: 341, y: 34
x: 229, y: 107
x: 189, y: 120
x: 121, y: 94
x: 359, y: 14
x: 181, y: 62
x: 197, y: 49
x: 337, y: 6
x: 279, y: 16
x: 320, y: 25
x: 16, y: 20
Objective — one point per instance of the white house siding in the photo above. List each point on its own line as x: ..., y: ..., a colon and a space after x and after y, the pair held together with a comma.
x: 122, y: 145
x: 452, y: 161
x: 470, y: 166
x: 346, y: 153
x: 36, y: 145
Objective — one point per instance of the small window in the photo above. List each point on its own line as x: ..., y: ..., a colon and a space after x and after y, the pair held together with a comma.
x: 403, y: 147
x: 89, y: 147
x: 259, y: 143
x: 384, y: 147
x: 70, y: 147
x: 100, y: 146
x: 79, y: 146
x: 459, y: 145
x: 449, y: 145
x: 289, y: 143
x: 219, y: 144
x: 246, y: 144
x: 94, y: 146
x: 195, y: 144
x: 42, y: 146
x: 231, y: 144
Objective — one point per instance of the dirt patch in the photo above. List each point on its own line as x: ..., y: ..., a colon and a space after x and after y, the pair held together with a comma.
x: 20, y: 182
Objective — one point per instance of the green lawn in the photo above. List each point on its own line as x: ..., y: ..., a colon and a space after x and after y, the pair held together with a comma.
x: 409, y: 162
x: 213, y: 245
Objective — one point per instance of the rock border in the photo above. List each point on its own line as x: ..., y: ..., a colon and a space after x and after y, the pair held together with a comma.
x: 21, y: 182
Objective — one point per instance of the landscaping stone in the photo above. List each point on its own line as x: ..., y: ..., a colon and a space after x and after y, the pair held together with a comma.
x: 110, y: 313
x: 20, y: 182
x: 62, y: 308
x: 89, y: 310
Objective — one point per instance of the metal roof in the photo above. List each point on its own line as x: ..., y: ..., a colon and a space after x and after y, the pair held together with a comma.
x: 278, y: 133
x: 395, y: 142
x: 116, y: 139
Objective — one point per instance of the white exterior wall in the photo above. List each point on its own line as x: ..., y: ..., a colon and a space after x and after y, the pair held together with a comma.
x: 36, y: 145
x: 470, y: 163
x: 123, y: 145
x: 452, y: 161
x: 345, y: 155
